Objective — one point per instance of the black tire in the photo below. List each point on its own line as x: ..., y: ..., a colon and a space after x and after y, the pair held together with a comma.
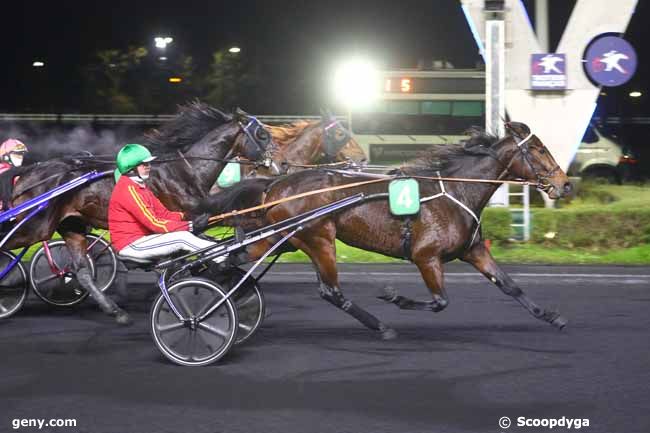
x: 177, y: 340
x: 13, y: 286
x: 602, y: 173
x: 249, y: 300
x: 63, y: 290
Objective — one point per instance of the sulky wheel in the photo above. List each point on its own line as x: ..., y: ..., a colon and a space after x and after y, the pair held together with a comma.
x: 193, y: 342
x: 104, y: 259
x: 55, y: 283
x: 249, y: 301
x: 13, y: 286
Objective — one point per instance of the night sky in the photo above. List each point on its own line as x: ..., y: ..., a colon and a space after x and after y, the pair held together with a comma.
x: 295, y: 43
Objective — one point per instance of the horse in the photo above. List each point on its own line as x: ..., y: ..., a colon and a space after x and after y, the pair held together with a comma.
x: 444, y: 229
x: 193, y: 149
x: 304, y: 143
x: 312, y: 142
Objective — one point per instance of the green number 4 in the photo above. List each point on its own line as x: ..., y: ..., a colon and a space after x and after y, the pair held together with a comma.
x: 404, y: 197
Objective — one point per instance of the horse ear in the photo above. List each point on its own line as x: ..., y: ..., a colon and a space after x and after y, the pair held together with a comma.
x: 240, y: 114
x: 517, y: 127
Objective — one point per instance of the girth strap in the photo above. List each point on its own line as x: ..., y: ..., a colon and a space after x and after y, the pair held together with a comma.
x: 407, y: 238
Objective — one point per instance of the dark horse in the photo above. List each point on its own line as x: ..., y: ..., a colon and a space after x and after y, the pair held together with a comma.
x: 305, y: 143
x: 191, y: 150
x: 442, y: 231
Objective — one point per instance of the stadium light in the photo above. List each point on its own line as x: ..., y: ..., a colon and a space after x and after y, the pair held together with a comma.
x: 635, y: 94
x: 162, y: 41
x: 175, y: 80
x: 38, y: 64
x: 234, y: 50
x: 356, y: 83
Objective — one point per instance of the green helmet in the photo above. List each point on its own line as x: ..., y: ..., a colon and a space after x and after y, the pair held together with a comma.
x: 130, y: 156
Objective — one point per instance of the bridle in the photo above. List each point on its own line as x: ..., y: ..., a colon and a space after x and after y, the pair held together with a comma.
x: 332, y: 144
x: 256, y: 133
x: 524, y: 149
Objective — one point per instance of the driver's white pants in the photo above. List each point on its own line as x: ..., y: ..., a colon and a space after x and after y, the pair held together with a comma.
x: 158, y: 246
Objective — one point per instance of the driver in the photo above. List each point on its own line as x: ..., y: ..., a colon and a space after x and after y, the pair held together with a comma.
x: 141, y: 227
x: 12, y: 152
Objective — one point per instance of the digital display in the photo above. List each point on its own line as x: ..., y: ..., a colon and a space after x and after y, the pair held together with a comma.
x: 396, y: 84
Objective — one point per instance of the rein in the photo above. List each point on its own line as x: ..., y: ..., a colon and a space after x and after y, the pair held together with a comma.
x: 387, y: 178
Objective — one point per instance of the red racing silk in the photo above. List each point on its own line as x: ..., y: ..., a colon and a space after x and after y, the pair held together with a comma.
x: 134, y: 211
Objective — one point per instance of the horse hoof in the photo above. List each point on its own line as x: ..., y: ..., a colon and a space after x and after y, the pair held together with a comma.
x: 559, y: 322
x: 389, y: 294
x: 388, y: 334
x: 122, y: 318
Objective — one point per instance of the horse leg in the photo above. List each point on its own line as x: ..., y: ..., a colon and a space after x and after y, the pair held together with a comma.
x: 77, y: 245
x: 322, y: 252
x: 482, y: 260
x: 432, y: 274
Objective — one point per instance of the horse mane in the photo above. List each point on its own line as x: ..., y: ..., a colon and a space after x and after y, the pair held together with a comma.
x: 191, y: 123
x: 448, y: 158
x: 287, y: 133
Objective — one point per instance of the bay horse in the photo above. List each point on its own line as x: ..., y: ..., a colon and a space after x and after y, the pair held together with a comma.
x: 303, y: 143
x: 312, y: 142
x: 191, y: 149
x: 444, y: 229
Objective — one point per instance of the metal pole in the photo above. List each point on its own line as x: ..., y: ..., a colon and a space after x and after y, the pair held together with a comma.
x: 495, y: 83
x: 526, y: 221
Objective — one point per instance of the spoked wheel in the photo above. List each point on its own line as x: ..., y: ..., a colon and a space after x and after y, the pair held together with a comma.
x: 192, y: 342
x: 13, y: 286
x: 249, y: 301
x: 57, y: 285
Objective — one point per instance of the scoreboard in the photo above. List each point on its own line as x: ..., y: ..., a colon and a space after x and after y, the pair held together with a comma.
x: 433, y: 82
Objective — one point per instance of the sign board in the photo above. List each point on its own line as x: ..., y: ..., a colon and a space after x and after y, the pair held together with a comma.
x: 548, y: 71
x: 610, y: 61
x: 230, y: 175
x: 404, y: 197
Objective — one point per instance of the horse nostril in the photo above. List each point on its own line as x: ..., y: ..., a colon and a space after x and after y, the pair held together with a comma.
x: 567, y: 188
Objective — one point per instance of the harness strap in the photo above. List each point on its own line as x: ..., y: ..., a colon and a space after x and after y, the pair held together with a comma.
x: 407, y: 238
x: 444, y: 193
x: 184, y: 159
x: 352, y: 185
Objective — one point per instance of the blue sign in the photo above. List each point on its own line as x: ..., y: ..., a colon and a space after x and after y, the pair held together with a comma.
x: 548, y: 71
x: 611, y: 61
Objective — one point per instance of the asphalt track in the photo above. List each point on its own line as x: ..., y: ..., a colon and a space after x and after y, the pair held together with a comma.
x: 311, y: 368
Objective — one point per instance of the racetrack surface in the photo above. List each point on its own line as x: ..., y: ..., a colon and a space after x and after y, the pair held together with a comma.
x: 311, y: 368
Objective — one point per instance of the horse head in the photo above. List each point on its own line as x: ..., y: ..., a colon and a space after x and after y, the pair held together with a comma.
x: 254, y: 142
x: 337, y: 143
x: 531, y: 160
